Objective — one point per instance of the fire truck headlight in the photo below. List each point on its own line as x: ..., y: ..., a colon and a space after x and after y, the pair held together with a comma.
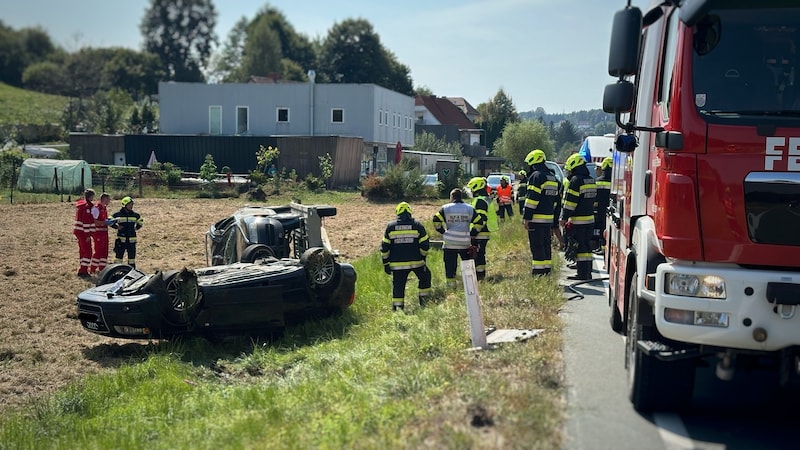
x: 706, y: 286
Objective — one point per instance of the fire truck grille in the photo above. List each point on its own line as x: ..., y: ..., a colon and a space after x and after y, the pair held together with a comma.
x: 772, y: 205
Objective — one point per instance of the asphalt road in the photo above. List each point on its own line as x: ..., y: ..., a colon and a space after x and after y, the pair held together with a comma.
x: 745, y: 413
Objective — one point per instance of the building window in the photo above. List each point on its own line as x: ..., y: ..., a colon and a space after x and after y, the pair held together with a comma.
x: 242, y: 120
x: 283, y: 114
x: 380, y: 117
x: 394, y: 120
x: 386, y: 118
x: 215, y: 119
x: 337, y: 115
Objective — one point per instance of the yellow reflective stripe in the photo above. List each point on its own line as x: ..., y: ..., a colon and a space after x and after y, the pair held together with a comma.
x: 406, y: 265
x: 582, y: 220
x: 386, y: 240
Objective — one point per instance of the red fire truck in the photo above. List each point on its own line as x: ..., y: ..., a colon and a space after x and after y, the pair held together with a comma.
x: 703, y: 234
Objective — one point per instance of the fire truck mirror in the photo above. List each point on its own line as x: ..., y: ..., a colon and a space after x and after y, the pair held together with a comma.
x: 623, y: 55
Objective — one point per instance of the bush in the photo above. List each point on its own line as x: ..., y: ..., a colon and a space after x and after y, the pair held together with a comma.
x: 396, y: 184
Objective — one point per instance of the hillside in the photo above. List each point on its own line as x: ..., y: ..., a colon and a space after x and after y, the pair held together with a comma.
x: 23, y: 107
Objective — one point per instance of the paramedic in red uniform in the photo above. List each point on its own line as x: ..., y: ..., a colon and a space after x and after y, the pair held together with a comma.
x: 83, y: 229
x: 100, y: 236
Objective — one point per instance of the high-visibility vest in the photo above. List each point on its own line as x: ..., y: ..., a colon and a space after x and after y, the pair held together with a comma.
x: 491, y: 213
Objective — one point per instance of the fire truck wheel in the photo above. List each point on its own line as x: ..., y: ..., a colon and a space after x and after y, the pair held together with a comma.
x: 653, y: 384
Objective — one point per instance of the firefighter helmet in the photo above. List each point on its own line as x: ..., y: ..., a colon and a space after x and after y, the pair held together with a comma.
x: 126, y: 200
x: 574, y: 161
x: 535, y: 157
x: 402, y: 207
x: 523, y: 174
x: 476, y: 184
x: 607, y: 163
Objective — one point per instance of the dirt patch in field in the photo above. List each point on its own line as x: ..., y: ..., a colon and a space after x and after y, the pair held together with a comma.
x: 42, y: 345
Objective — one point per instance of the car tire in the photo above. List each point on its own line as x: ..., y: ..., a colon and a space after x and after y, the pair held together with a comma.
x: 255, y: 252
x: 113, y: 273
x: 178, y: 295
x: 320, y: 266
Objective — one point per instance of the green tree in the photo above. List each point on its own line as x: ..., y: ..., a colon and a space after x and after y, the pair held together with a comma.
x: 136, y: 73
x: 45, y: 76
x: 208, y: 170
x: 494, y: 115
x: 20, y: 49
x: 519, y: 138
x: 181, y: 33
x: 84, y: 71
x: 262, y: 51
x: 428, y: 142
x: 294, y: 46
x: 352, y: 53
x: 423, y: 91
x: 566, y: 134
x: 223, y: 64
x: 107, y: 110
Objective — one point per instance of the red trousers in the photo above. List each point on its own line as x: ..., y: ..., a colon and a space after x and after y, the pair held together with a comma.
x: 100, y: 256
x: 84, y: 251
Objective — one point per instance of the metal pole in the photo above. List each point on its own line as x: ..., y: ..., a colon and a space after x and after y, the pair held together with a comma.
x: 470, y: 280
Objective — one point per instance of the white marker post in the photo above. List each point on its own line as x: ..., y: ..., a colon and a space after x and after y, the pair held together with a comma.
x: 476, y: 328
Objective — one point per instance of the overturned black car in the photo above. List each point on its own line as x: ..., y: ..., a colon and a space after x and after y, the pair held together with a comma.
x: 261, y: 297
x: 253, y: 232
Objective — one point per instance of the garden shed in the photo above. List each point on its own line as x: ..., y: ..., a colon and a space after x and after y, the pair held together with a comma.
x: 53, y: 175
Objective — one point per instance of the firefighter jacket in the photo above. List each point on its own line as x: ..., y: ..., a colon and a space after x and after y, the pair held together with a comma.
x: 455, y: 222
x: 603, y: 193
x: 486, y: 207
x: 522, y: 189
x: 579, y: 197
x: 505, y: 194
x: 542, y: 196
x: 84, y: 221
x: 128, y: 221
x: 405, y: 243
x: 100, y: 214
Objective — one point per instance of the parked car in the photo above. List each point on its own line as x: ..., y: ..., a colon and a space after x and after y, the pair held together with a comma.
x: 430, y: 179
x: 493, y: 180
x: 255, y: 232
x: 556, y: 169
x: 241, y: 298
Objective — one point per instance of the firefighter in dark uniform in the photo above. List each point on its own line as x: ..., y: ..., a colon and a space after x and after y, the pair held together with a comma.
x: 537, y: 216
x: 403, y: 250
x: 126, y: 222
x: 601, y: 206
x: 486, y: 207
x: 522, y: 190
x: 578, y: 209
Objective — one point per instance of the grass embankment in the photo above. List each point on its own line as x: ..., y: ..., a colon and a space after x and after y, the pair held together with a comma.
x: 23, y: 107
x: 368, y: 379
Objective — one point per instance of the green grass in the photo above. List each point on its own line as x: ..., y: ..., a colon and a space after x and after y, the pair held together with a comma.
x: 23, y: 107
x: 368, y: 379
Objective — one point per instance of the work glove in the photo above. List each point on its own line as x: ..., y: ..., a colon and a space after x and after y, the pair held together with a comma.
x: 387, y: 269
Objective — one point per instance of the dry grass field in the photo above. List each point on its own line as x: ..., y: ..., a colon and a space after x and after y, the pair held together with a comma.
x: 42, y: 345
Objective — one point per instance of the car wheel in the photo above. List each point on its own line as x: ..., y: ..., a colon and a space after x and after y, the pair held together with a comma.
x: 255, y: 252
x: 113, y: 273
x: 182, y: 295
x: 320, y: 266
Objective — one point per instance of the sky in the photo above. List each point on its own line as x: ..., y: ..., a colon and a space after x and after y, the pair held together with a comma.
x: 543, y: 53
